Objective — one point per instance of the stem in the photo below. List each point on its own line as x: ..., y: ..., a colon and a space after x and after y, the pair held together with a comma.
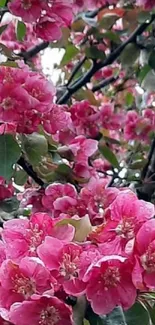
x: 96, y: 66
x: 29, y: 170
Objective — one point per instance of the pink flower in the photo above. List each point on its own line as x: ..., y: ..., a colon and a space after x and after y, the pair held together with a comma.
x: 144, y: 271
x: 138, y: 127
x: 98, y: 197
x: 56, y: 120
x: 20, y: 282
x: 48, y: 29
x: 22, y: 237
x: 127, y: 215
x: 47, y: 16
x: 55, y: 191
x: 28, y: 10
x: 63, y: 261
x: 110, y: 285
x: 46, y: 310
x: 108, y: 119
x: 42, y: 92
x: 83, y: 148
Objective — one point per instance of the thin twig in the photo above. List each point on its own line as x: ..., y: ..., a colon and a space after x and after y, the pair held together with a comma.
x: 29, y: 170
x: 82, y: 81
x: 104, y: 83
x: 27, y: 55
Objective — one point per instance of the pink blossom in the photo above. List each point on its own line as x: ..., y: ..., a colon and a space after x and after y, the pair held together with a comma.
x: 47, y: 17
x: 56, y: 120
x: 28, y: 10
x: 46, y: 310
x: 98, y: 197
x: 22, y: 237
x: 20, y: 282
x: 55, y: 191
x: 110, y: 285
x: 144, y: 271
x: 138, y: 127
x: 127, y: 215
x: 83, y: 148
x: 63, y: 262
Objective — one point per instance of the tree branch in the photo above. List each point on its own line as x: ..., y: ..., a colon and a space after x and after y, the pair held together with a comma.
x: 82, y: 81
x: 104, y: 83
x: 147, y: 184
x: 76, y: 69
x: 29, y: 170
x: 27, y: 55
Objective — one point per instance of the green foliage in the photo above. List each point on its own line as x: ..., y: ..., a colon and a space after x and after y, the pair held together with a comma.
x: 129, y: 55
x: 71, y: 52
x: 20, y: 31
x: 35, y: 147
x: 109, y: 155
x: 9, y: 154
x: 136, y: 315
x: 3, y: 3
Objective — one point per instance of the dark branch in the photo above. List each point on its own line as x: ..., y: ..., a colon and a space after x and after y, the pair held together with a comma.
x: 76, y: 69
x: 29, y: 170
x: 104, y: 83
x: 82, y: 81
x: 147, y: 185
x: 27, y: 55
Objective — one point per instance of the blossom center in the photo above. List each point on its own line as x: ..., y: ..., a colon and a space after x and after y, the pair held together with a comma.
x: 125, y: 229
x: 7, y: 103
x: 35, y: 236
x: 23, y: 285
x: 111, y: 277
x: 49, y: 316
x: 69, y: 268
x: 148, y: 260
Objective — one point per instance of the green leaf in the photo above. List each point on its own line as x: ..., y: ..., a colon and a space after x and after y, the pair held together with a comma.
x: 9, y: 153
x: 2, y: 3
x: 94, y: 53
x: 9, y: 205
x: 139, y: 164
x: 71, y: 52
x: 129, y: 99
x: 152, y: 314
x: 129, y: 55
x: 112, y: 36
x: 35, y: 146
x: 151, y: 60
x: 143, y: 72
x: 109, y: 155
x: 9, y: 63
x: 20, y: 31
x: 136, y: 315
x: 108, y: 21
x: 64, y: 170
x: 20, y: 177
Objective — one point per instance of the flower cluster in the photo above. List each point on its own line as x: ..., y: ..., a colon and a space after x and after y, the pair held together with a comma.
x: 46, y: 17
x: 139, y: 127
x: 9, y: 39
x: 43, y: 262
x: 24, y: 98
